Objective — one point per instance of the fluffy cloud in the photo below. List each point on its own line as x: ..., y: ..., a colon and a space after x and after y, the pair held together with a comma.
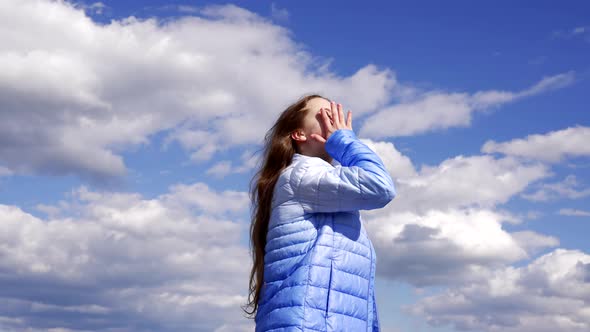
x: 574, y: 213
x: 448, y: 247
x: 564, y: 189
x: 75, y: 93
x: 248, y: 161
x: 461, y: 181
x: 549, y: 294
x: 445, y: 226
x: 551, y: 147
x: 97, y: 8
x: 436, y: 110
x: 116, y: 261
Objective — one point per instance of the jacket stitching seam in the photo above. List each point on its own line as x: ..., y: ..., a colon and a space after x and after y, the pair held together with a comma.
x: 320, y: 286
x: 330, y: 280
x: 351, y: 273
x: 369, y: 310
x: 298, y: 186
x: 282, y: 259
x: 287, y: 223
x: 335, y: 312
x: 307, y: 286
x: 300, y: 305
x: 309, y: 306
x: 292, y: 244
x: 282, y: 327
x: 350, y: 251
x: 352, y: 241
x: 358, y: 180
x: 287, y: 234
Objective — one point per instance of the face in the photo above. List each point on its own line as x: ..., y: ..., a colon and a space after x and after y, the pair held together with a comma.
x: 313, y: 124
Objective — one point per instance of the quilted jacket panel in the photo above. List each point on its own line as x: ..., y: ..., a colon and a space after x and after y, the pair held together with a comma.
x: 319, y: 262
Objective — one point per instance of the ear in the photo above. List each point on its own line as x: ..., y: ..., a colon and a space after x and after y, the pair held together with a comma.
x: 298, y: 135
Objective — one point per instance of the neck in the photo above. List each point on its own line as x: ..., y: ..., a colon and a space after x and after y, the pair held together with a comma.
x: 325, y: 156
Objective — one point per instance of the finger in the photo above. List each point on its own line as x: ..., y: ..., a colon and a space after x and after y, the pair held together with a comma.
x: 326, y: 118
x: 327, y: 112
x: 326, y: 123
x: 335, y: 115
x: 341, y: 115
x: 349, y: 119
x: 330, y: 115
x: 318, y: 138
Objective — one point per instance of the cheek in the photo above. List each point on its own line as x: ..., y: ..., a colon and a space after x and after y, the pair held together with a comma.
x: 319, y: 127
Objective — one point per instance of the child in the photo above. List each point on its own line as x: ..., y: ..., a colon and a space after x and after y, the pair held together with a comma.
x: 314, y: 266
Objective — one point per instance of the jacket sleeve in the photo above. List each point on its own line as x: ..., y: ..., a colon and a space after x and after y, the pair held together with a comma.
x: 360, y: 182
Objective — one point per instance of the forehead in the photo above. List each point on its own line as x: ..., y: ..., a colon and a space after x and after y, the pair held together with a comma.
x: 316, y: 104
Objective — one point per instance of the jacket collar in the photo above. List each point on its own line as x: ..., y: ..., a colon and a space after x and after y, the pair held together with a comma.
x: 298, y: 156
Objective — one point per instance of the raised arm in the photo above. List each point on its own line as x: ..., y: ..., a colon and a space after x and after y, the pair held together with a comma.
x: 360, y: 182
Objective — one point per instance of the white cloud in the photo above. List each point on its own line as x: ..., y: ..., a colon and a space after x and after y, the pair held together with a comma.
x: 76, y: 93
x: 97, y: 7
x: 445, y: 229
x: 248, y: 162
x: 187, y: 9
x: 431, y: 112
x: 445, y: 224
x: 448, y: 247
x: 580, y: 31
x: 436, y: 110
x: 549, y: 83
x: 199, y: 195
x: 533, y: 242
x: 552, y: 147
x: 549, y: 294
x: 5, y: 171
x: 465, y: 181
x: 574, y: 213
x: 116, y: 261
x: 563, y: 189
x: 220, y: 169
x: 461, y: 181
x: 279, y: 14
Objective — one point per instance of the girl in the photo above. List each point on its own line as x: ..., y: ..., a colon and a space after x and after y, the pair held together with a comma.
x: 314, y: 266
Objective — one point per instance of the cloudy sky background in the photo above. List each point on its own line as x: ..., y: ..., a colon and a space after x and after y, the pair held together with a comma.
x: 129, y: 131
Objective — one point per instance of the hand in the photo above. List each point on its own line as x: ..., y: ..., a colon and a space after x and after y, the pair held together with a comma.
x: 334, y: 122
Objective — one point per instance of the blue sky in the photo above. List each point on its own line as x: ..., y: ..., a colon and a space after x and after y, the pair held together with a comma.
x: 128, y: 135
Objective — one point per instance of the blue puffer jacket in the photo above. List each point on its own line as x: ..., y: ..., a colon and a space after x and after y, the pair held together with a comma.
x: 319, y: 264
